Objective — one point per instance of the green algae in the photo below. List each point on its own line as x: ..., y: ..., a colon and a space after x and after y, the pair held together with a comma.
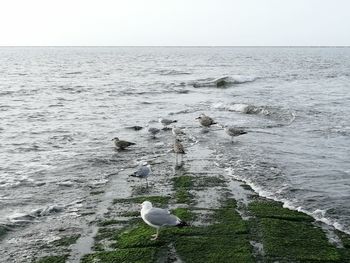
x: 156, y: 200
x: 208, y: 181
x: 66, y: 241
x: 184, y: 214
x: 105, y: 233
x: 136, y: 236
x: 213, y: 249
x: 184, y: 181
x: 183, y: 196
x: 108, y: 222
x: 296, y: 241
x: 3, y: 231
x: 290, y: 236
x: 53, y: 259
x: 272, y: 209
x: 182, y: 186
x: 96, y: 192
x: 135, y: 255
x: 225, y: 240
x: 130, y: 214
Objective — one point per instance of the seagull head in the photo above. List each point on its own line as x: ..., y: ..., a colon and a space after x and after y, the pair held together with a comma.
x: 115, y: 139
x: 146, y: 205
x: 178, y: 140
x: 202, y: 115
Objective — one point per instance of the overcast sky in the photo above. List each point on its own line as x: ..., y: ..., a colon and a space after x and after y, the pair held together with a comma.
x: 175, y: 22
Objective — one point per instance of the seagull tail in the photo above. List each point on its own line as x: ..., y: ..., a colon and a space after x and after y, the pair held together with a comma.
x: 182, y: 224
x: 174, y: 121
x: 134, y: 174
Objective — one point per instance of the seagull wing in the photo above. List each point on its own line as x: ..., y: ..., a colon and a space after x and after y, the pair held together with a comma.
x: 161, y: 217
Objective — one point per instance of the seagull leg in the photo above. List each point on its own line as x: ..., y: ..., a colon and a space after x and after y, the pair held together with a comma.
x: 146, y: 183
x: 155, y: 236
x: 176, y: 158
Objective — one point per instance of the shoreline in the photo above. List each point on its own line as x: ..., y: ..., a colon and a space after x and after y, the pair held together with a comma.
x: 229, y: 222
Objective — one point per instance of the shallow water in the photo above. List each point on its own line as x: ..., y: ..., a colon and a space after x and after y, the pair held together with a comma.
x: 60, y: 108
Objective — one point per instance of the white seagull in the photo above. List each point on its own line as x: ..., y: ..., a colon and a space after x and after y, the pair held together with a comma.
x: 177, y: 131
x: 158, y: 217
x: 234, y: 132
x: 143, y: 171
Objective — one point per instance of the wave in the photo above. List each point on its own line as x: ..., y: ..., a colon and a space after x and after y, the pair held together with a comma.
x: 223, y: 81
x: 171, y: 72
x: 18, y: 219
x: 274, y: 113
x: 74, y: 73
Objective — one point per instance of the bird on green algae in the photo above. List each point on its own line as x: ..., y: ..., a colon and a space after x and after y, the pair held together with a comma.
x: 158, y: 217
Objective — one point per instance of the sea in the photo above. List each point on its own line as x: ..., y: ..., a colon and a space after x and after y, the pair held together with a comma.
x: 61, y: 106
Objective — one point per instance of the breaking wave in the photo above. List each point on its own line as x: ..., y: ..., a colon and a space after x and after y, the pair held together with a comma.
x: 223, y: 81
x: 274, y: 113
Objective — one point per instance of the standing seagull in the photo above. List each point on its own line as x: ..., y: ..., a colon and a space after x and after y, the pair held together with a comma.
x: 178, y: 149
x: 205, y: 120
x: 166, y: 122
x: 143, y: 171
x: 153, y: 131
x: 158, y: 217
x: 177, y: 131
x: 120, y: 144
x: 233, y: 132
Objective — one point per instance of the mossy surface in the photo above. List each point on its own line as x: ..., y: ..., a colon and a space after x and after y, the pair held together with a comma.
x: 3, y: 231
x: 225, y: 240
x: 296, y: 241
x: 183, y: 196
x: 272, y: 209
x: 184, y: 214
x: 138, y: 235
x: 208, y: 181
x: 53, y: 259
x: 108, y: 222
x: 66, y: 241
x: 184, y: 181
x: 134, y: 255
x: 290, y: 236
x: 214, y: 249
x: 156, y: 200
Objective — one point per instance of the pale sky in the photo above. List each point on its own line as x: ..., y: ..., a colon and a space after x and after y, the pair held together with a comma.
x: 174, y: 22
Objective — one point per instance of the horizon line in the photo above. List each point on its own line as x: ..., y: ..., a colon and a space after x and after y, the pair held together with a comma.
x: 184, y: 46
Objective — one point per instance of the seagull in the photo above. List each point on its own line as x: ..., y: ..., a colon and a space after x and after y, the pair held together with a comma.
x: 120, y: 144
x: 158, y: 217
x: 135, y: 128
x: 178, y: 149
x: 143, y: 171
x: 177, y: 131
x: 233, y: 132
x: 166, y: 122
x: 205, y: 120
x: 153, y: 131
